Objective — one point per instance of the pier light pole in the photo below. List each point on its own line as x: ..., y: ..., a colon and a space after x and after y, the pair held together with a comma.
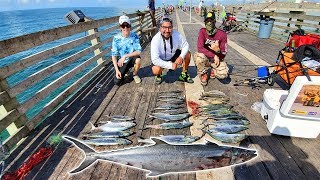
x: 190, y: 9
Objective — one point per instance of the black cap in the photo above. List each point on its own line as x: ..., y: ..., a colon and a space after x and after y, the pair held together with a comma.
x: 210, y: 15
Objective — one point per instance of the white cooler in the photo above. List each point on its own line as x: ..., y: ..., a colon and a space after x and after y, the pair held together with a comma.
x: 285, y: 113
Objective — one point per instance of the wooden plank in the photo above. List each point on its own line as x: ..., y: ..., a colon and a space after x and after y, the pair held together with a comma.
x: 62, y: 96
x: 4, y: 97
x: 15, y: 67
x: 297, y: 23
x: 13, y: 140
x: 298, y: 16
x: 36, y: 77
x: 57, y: 83
x: 8, y: 119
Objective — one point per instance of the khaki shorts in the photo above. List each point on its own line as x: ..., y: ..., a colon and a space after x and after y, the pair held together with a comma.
x: 202, y: 62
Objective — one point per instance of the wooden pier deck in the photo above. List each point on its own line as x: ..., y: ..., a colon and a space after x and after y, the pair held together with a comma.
x: 279, y: 157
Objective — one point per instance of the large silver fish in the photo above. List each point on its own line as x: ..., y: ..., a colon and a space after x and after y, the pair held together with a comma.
x: 169, y: 117
x: 227, y: 138
x: 107, y: 141
x: 108, y: 134
x: 162, y: 158
x: 172, y: 139
x: 170, y: 125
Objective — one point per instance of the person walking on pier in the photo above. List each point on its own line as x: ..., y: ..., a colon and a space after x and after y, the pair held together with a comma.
x: 212, y: 48
x: 125, y: 46
x: 152, y: 10
x: 169, y: 49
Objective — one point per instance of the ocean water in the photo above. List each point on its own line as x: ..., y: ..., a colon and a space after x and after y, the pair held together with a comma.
x: 17, y: 23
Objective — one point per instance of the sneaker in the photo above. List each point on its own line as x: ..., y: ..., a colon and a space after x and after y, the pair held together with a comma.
x: 158, y: 79
x: 204, y: 79
x: 137, y: 79
x: 212, y: 74
x: 185, y: 77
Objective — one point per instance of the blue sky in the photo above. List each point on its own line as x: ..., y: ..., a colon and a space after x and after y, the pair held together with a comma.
x: 7, y: 5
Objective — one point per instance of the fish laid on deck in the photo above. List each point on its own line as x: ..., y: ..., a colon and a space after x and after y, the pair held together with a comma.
x: 226, y: 138
x: 172, y: 139
x: 111, y: 127
x: 121, y: 118
x: 177, y: 158
x: 228, y: 129
x: 171, y: 125
x: 113, y: 134
x: 228, y: 122
x: 107, y: 141
x: 170, y: 117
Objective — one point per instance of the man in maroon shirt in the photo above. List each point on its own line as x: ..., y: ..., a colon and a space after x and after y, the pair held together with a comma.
x: 212, y: 48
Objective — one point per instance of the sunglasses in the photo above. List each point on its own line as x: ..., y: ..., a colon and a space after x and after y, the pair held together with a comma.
x: 125, y: 25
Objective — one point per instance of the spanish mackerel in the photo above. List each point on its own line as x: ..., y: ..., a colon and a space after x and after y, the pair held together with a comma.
x: 172, y: 139
x: 168, y: 106
x: 170, y: 125
x: 121, y: 118
x: 173, y: 96
x: 109, y: 134
x: 169, y: 117
x: 228, y: 129
x: 107, y: 141
x: 173, y: 111
x: 161, y: 158
x: 111, y: 127
x: 227, y: 138
x: 228, y: 122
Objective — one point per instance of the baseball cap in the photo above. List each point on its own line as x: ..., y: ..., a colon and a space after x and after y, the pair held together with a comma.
x: 210, y: 15
x: 165, y: 18
x: 123, y: 19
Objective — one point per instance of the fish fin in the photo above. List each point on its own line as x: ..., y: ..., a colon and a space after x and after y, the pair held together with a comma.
x: 155, y: 174
x: 211, y: 143
x: 80, y: 144
x: 86, y: 163
x: 158, y: 141
x: 89, y: 160
x: 145, y: 141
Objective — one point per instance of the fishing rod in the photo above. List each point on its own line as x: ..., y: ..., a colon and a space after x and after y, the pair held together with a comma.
x: 250, y: 17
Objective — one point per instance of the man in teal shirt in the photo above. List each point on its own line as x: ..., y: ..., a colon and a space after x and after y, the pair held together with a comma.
x: 125, y: 52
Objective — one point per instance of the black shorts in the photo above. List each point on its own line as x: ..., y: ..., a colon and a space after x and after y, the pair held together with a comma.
x: 176, y: 55
x: 125, y: 68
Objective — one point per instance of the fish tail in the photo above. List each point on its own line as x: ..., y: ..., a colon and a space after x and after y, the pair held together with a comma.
x: 205, y: 121
x: 86, y: 149
x: 92, y: 126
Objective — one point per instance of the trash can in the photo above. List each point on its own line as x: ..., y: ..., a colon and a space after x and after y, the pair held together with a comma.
x: 265, y: 28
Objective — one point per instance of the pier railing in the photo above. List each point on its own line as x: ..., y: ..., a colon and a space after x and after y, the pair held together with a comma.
x: 74, y: 57
x: 288, y: 17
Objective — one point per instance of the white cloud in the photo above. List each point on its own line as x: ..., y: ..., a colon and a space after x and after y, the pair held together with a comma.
x: 23, y: 1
